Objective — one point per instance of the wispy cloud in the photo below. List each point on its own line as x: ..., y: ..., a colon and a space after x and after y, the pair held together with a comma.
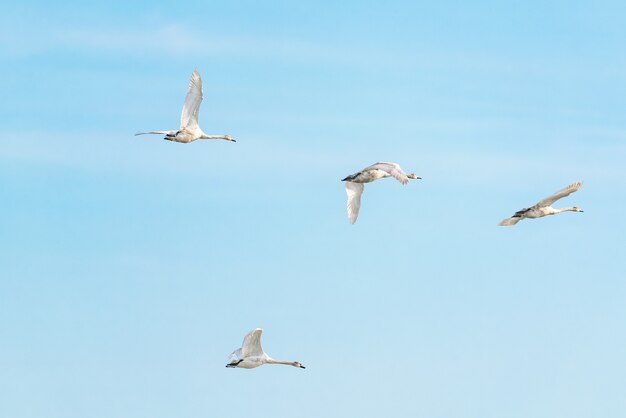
x: 171, y: 40
x: 474, y: 165
x: 168, y: 40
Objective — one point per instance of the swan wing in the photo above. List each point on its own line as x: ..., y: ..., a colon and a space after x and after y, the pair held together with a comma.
x: 251, y: 346
x: 510, y: 221
x: 236, y: 353
x: 189, y: 117
x: 548, y: 201
x: 354, y: 191
x: 157, y: 132
x: 392, y: 169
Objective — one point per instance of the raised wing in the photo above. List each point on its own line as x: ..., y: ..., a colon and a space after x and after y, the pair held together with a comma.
x: 189, y: 117
x: 392, y: 169
x: 548, y: 201
x: 251, y: 346
x: 354, y: 191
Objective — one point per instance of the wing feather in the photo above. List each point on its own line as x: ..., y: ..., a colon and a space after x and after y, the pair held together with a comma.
x: 191, y: 108
x: 236, y: 353
x: 354, y: 192
x: 548, y: 201
x: 251, y: 346
x: 510, y: 221
x: 392, y: 169
x: 156, y: 132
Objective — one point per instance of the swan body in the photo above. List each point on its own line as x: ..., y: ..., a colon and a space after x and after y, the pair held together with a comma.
x: 189, y: 130
x: 251, y: 354
x: 544, y: 207
x: 355, y: 182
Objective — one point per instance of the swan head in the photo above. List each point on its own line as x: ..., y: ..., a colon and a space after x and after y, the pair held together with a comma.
x: 298, y: 364
x: 229, y: 138
x: 413, y: 176
x: 577, y: 209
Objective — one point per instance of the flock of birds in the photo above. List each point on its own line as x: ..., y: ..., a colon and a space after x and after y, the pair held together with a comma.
x: 251, y: 354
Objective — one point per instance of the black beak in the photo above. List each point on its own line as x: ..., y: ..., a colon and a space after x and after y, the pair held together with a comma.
x: 302, y: 367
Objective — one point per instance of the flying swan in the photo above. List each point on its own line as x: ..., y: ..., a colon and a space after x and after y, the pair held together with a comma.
x: 251, y: 354
x: 544, y: 207
x: 354, y: 183
x: 189, y: 130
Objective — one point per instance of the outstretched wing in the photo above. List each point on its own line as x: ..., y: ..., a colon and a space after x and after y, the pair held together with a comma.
x: 157, y: 132
x: 251, y: 346
x: 510, y: 221
x: 548, y: 201
x: 518, y: 216
x: 189, y: 117
x: 354, y: 191
x: 392, y: 169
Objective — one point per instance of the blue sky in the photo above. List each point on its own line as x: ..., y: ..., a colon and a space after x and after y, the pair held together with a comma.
x: 131, y: 266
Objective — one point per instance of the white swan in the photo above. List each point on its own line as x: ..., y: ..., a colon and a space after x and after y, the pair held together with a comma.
x: 189, y: 130
x: 544, y: 208
x: 251, y: 354
x: 354, y: 183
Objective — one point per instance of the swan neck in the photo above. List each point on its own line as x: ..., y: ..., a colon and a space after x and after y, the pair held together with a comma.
x: 570, y: 209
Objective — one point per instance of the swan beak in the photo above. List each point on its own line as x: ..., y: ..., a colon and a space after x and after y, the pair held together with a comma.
x: 302, y: 367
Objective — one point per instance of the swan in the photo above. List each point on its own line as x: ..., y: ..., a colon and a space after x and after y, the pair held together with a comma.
x: 251, y: 354
x: 189, y: 130
x: 544, y: 207
x: 354, y: 183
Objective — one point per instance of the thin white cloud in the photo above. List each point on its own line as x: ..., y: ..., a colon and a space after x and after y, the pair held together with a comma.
x: 172, y: 40
x: 166, y: 41
x: 444, y: 163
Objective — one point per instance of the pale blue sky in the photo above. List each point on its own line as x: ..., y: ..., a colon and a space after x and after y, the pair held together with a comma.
x: 131, y: 266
